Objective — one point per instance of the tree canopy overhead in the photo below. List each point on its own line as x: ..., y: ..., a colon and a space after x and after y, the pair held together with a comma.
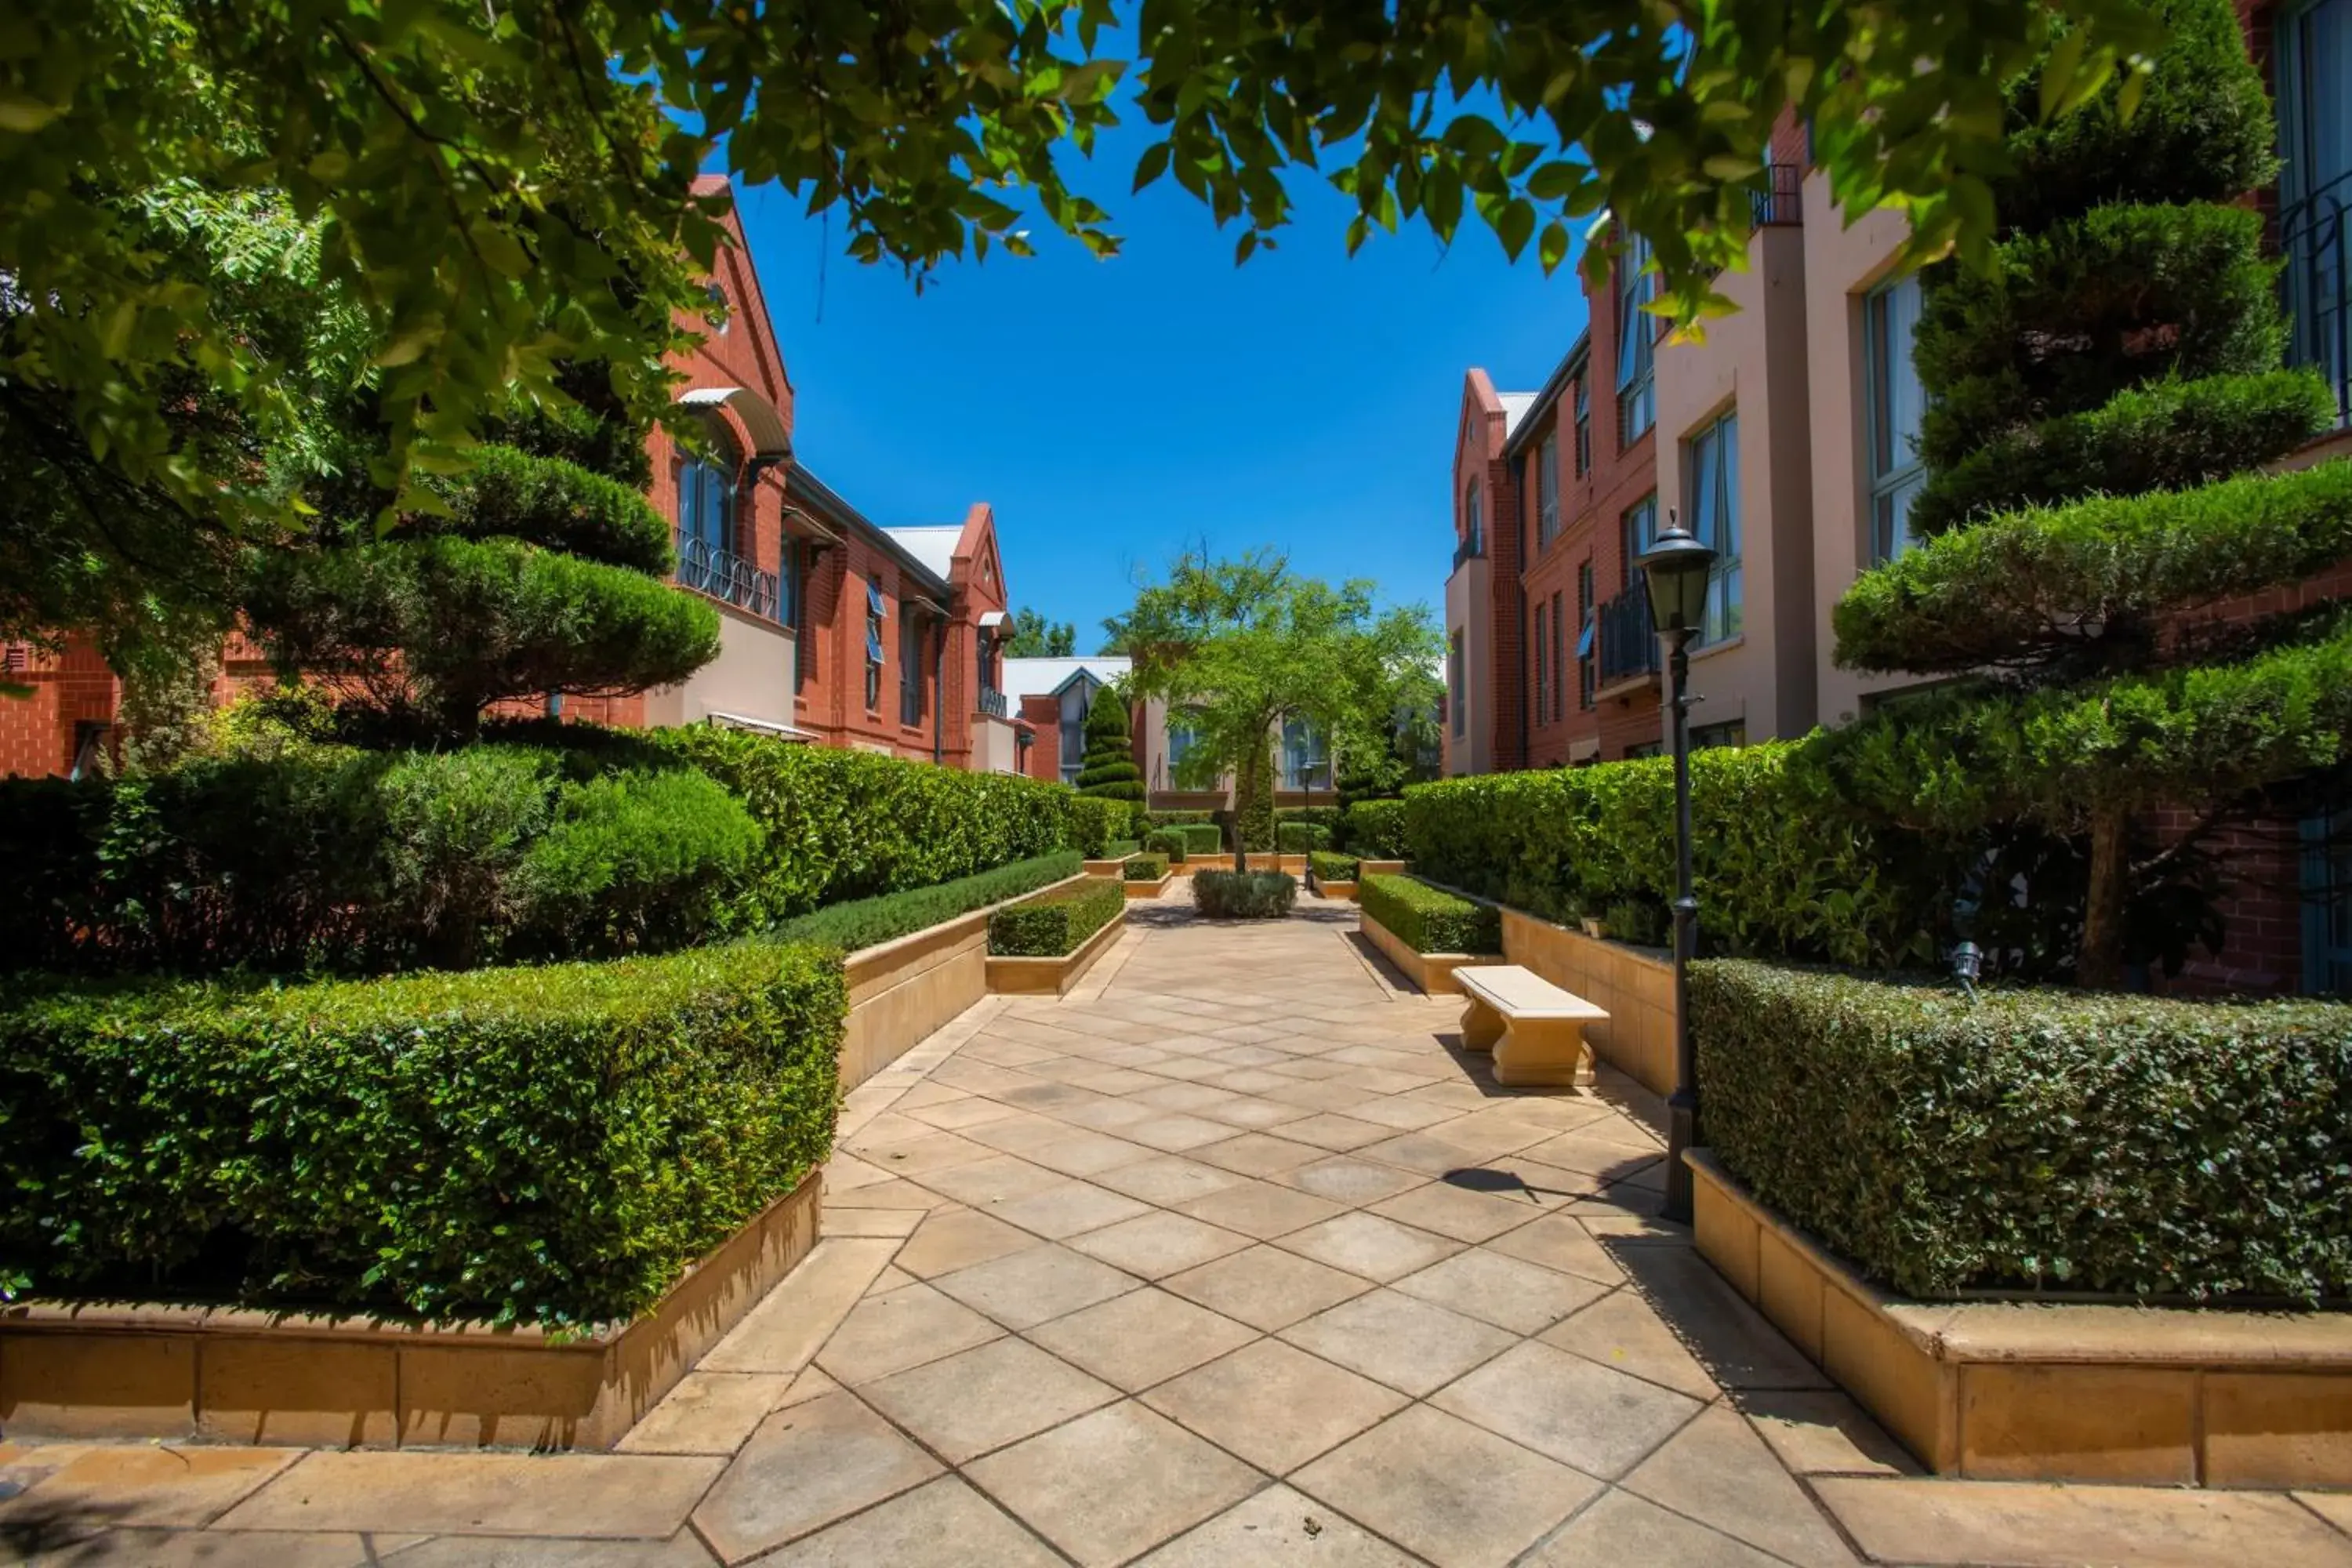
x: 1034, y: 636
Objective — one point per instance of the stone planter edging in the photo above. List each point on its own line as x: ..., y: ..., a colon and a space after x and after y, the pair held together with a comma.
x: 238, y: 1376
x: 1101, y: 867
x: 1637, y: 990
x: 2055, y: 1392
x: 1151, y: 890
x: 902, y: 990
x: 1009, y: 976
x: 1432, y: 972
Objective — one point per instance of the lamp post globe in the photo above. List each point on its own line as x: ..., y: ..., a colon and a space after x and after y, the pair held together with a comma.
x: 1675, y: 570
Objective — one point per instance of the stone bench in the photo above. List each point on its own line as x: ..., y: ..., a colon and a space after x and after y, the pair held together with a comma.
x: 1534, y: 1029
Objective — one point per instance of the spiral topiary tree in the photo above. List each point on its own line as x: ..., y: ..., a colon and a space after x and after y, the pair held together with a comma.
x: 1110, y: 769
x: 2101, y: 400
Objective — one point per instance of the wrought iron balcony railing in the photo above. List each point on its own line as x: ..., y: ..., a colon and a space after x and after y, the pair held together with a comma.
x: 723, y: 574
x: 2318, y: 283
x: 1469, y: 548
x: 992, y: 703
x: 1629, y: 644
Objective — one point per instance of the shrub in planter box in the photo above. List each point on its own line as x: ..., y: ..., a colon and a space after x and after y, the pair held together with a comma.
x: 2041, y: 1138
x: 1201, y: 838
x: 1328, y: 867
x: 1055, y: 921
x: 545, y: 1145
x: 1244, y: 895
x: 1145, y: 867
x: 1427, y: 919
x: 867, y: 922
x: 1120, y: 848
x: 1374, y: 830
x: 1301, y: 837
x: 1167, y: 842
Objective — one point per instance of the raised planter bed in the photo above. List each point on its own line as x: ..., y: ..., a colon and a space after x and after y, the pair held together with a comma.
x: 1380, y: 868
x: 1432, y: 972
x: 1345, y: 891
x: 1050, y: 977
x: 2063, y: 1391
x: 1152, y: 890
x: 900, y: 991
x: 1634, y: 985
x: 231, y: 1375
x: 1104, y: 868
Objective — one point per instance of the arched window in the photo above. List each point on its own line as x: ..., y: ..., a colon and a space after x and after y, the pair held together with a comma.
x: 706, y: 505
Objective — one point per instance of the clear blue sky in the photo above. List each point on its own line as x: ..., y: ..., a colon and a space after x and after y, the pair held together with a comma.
x: 1114, y: 411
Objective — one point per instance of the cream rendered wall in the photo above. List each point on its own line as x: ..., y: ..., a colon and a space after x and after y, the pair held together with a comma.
x: 751, y: 678
x: 1842, y: 265
x: 993, y: 750
x: 1469, y: 595
x: 1753, y: 362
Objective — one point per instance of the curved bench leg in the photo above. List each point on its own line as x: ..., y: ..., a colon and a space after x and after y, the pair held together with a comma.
x: 1543, y: 1053
x: 1481, y: 1026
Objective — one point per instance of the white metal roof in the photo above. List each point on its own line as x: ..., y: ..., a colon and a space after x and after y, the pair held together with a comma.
x: 1041, y: 676
x: 1515, y: 409
x: 934, y: 547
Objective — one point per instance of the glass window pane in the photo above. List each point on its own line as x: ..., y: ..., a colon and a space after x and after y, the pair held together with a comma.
x: 1727, y: 476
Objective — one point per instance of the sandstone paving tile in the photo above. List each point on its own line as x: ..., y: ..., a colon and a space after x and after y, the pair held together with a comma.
x: 707, y: 1412
x: 1045, y: 1094
x: 804, y: 1469
x: 1278, y: 1526
x: 977, y: 1077
x: 1081, y: 1152
x: 1156, y: 1244
x: 1737, y: 1344
x: 2023, y: 1524
x: 1621, y: 1330
x: 987, y: 1182
x: 870, y: 1222
x: 1183, y: 1097
x: 1260, y: 1209
x: 924, y: 1094
x: 1169, y: 1179
x: 1256, y: 1115
x: 1408, y: 1344
x: 1250, y: 1081
x: 1368, y: 1245
x: 1328, y: 1129
x: 421, y: 1491
x: 1245, y: 1034
x: 1445, y: 1489
x: 1346, y: 1180
x: 1193, y: 1069
x: 1321, y: 1094
x: 1256, y: 1154
x: 1429, y: 1152
x: 1069, y: 1209
x: 782, y: 1331
x: 964, y: 1405
x: 78, y: 1486
x: 1621, y: 1531
x: 1026, y: 1288
x: 680, y: 1551
x: 1582, y: 1150
x: 1461, y: 1096
x: 144, y: 1547
x: 1107, y: 1080
x: 1108, y: 1486
x: 1405, y: 1114
x: 846, y: 1172
x: 1176, y: 1132
x: 1106, y: 1115
x: 891, y: 1193
x: 811, y: 1383
x: 1264, y: 1286
x: 1822, y: 1431
x: 1504, y: 1291
x: 891, y: 1278
x: 958, y: 1239
x: 2334, y: 1507
x: 997, y: 1050
x: 905, y: 1327
x: 1275, y: 1404
x: 1307, y: 1069
x: 1457, y: 1211
x: 1547, y: 1187
x: 1578, y: 1411
x: 942, y: 1524
x: 1141, y: 1338
x: 964, y: 1111
x: 1719, y: 1472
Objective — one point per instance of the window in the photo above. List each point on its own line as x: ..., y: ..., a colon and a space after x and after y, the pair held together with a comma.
x: 1892, y: 406
x: 706, y: 512
x: 1181, y: 739
x: 1645, y: 749
x: 788, y: 586
x: 1541, y: 707
x: 1547, y: 492
x: 2314, y: 61
x: 1637, y: 395
x: 2327, y: 903
x: 1558, y: 703
x: 1713, y: 475
x: 1585, y: 672
x: 910, y: 670
x: 1474, y: 526
x: 1583, y: 427
x: 1635, y: 531
x: 1305, y: 758
x: 1731, y: 732
x: 873, y: 619
x: 1453, y: 674
x: 1079, y: 697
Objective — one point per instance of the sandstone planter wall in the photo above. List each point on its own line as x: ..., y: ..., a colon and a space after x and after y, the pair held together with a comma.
x: 2061, y: 1392
x: 1637, y: 989
x: 1432, y: 972
x: 1049, y: 976
x: 1151, y: 890
x: 236, y: 1376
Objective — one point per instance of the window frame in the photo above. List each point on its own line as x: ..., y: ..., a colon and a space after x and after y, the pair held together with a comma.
x: 1541, y: 709
x: 910, y: 671
x: 1548, y: 490
x: 1473, y: 519
x: 1896, y: 485
x: 1637, y: 345
x: 1457, y: 682
x: 1559, y: 643
x: 1588, y: 668
x: 1632, y: 543
x: 1714, y: 504
x: 1584, y: 422
x: 876, y: 619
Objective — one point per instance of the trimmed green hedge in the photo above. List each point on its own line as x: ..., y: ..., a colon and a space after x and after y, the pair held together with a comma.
x: 1145, y: 867
x: 845, y: 823
x: 547, y: 1145
x: 1120, y: 848
x: 869, y: 922
x: 2049, y: 1138
x: 1166, y: 841
x: 1375, y: 829
x: 1203, y: 838
x: 1179, y: 818
x: 1301, y: 837
x: 1331, y: 868
x: 1244, y: 895
x: 1055, y: 921
x: 1427, y: 919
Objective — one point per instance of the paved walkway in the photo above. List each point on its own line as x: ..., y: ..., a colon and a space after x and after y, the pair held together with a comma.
x: 1225, y: 1259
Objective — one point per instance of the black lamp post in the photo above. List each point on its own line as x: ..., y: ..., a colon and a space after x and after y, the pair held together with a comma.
x: 1675, y: 569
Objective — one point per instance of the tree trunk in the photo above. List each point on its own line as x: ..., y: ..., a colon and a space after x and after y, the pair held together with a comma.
x: 1244, y: 796
x: 2100, y: 965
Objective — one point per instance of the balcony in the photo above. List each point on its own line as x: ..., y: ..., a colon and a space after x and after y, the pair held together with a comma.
x: 1779, y: 204
x: 992, y: 703
x: 1470, y: 548
x: 1629, y: 644
x: 725, y: 575
x: 2318, y: 284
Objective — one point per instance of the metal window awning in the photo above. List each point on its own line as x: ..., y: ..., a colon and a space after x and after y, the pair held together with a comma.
x: 765, y: 726
x: 991, y: 619
x: 761, y: 420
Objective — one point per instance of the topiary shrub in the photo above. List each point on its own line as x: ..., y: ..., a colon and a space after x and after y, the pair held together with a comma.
x: 1144, y: 868
x: 1095, y: 824
x: 1328, y: 867
x: 2037, y: 1139
x: 1110, y: 771
x: 1427, y: 919
x: 1374, y: 829
x: 1167, y: 842
x: 548, y: 1145
x: 1055, y: 921
x: 1244, y: 895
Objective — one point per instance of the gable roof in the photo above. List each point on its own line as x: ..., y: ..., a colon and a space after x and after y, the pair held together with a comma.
x: 1047, y: 676
x: 934, y: 547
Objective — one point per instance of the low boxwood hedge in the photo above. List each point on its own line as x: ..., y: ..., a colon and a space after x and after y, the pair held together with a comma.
x: 1201, y: 838
x: 1330, y: 866
x: 1145, y: 867
x: 2041, y: 1139
x: 1427, y: 919
x: 1374, y: 829
x: 867, y: 922
x: 1301, y: 838
x: 1244, y: 895
x: 1165, y: 841
x: 1120, y: 848
x: 545, y: 1145
x: 1055, y: 921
